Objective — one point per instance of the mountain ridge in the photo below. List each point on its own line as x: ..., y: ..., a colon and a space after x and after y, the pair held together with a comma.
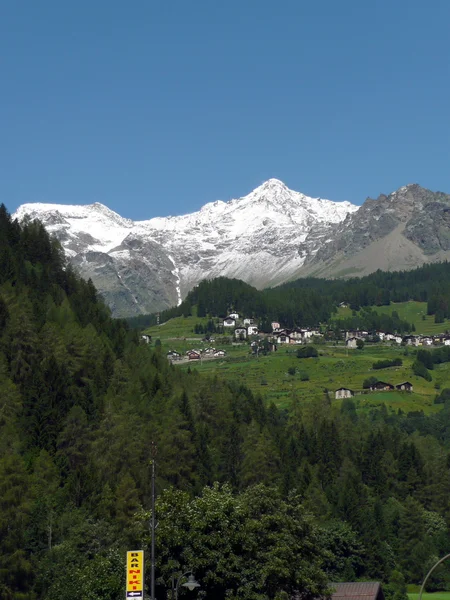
x: 270, y: 236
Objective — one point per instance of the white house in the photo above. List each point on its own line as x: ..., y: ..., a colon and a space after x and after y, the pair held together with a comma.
x: 146, y: 338
x: 352, y: 342
x: 248, y: 321
x: 275, y: 325
x: 172, y: 355
x: 229, y: 322
x: 447, y: 341
x: 240, y: 332
x: 219, y: 353
x: 234, y: 315
x: 283, y: 338
x: 343, y: 393
x: 427, y: 341
x: 252, y: 330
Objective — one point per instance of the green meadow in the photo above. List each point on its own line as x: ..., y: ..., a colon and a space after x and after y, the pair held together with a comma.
x: 411, y: 311
x: 274, y: 378
x: 433, y: 596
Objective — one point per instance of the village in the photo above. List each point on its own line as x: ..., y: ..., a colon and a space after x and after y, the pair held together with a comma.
x: 237, y: 331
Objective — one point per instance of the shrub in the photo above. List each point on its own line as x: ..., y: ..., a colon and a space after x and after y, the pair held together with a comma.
x: 384, y: 364
x: 420, y: 370
x: 307, y: 352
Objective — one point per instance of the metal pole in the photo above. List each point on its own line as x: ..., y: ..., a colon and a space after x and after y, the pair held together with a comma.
x: 429, y: 573
x: 152, y: 576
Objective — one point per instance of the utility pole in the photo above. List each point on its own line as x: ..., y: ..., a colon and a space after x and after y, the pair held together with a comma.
x: 153, y: 527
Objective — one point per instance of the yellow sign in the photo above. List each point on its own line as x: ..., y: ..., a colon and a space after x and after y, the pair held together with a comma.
x: 135, y: 574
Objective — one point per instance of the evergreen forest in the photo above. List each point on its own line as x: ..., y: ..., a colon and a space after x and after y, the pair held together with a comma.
x: 310, y: 301
x: 260, y: 503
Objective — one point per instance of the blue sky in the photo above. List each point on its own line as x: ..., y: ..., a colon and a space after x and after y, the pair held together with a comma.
x: 154, y: 107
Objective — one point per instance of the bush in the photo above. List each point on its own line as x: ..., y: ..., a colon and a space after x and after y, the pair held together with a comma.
x: 307, y: 352
x: 304, y: 377
x: 384, y: 364
x: 291, y: 371
x: 420, y: 370
x: 369, y: 382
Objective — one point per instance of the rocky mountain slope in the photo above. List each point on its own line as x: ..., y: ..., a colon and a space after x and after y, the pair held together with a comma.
x: 400, y: 231
x: 149, y: 265
x: 265, y: 238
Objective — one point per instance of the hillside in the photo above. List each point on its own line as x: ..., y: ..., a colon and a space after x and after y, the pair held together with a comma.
x: 314, y: 492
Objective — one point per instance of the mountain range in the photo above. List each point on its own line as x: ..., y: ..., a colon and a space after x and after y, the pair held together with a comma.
x: 268, y: 237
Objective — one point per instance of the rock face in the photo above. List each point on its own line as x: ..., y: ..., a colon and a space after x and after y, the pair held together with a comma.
x: 265, y: 238
x: 400, y: 231
x: 144, y: 266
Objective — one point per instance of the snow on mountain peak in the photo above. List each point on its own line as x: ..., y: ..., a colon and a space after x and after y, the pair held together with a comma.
x: 255, y: 238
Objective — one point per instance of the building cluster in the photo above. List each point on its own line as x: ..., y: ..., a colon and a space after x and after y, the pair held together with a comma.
x: 242, y: 328
x: 298, y: 335
x: 379, y: 386
x: 194, y: 354
x: 352, y: 337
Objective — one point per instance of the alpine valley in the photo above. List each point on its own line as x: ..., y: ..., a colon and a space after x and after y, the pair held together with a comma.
x: 268, y: 237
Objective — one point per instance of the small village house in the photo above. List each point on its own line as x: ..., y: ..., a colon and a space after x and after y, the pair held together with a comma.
x: 229, y: 322
x: 381, y: 386
x: 275, y: 325
x: 219, y: 353
x: 248, y: 321
x: 343, y: 393
x: 193, y: 355
x: 352, y: 342
x: 405, y: 386
x: 234, y: 315
x: 360, y: 590
x: 240, y: 333
x: 252, y: 330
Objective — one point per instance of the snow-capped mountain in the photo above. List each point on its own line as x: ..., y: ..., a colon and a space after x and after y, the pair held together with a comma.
x: 143, y: 266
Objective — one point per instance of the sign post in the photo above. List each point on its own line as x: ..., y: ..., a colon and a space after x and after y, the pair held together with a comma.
x: 135, y: 574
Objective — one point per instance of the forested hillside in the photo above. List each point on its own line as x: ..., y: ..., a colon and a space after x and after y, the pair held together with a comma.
x: 255, y: 500
x: 310, y: 301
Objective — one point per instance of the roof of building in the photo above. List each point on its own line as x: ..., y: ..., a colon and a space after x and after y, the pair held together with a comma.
x: 357, y: 591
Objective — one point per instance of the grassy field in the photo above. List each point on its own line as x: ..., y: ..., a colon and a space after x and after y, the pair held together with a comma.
x: 413, y: 312
x: 335, y: 367
x: 434, y: 596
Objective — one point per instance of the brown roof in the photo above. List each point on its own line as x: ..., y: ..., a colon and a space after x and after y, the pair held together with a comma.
x: 357, y: 591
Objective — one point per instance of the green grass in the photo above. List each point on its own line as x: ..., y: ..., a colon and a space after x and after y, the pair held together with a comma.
x: 413, y: 312
x: 336, y: 367
x: 433, y: 596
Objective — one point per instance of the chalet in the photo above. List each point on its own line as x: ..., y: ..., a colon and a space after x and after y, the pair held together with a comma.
x: 275, y: 325
x: 283, y: 338
x: 410, y: 340
x: 229, y: 322
x: 172, y: 355
x: 252, y: 330
x: 343, y: 393
x: 381, y: 335
x: 297, y: 334
x: 209, y: 351
x: 427, y: 341
x: 343, y: 305
x: 381, y: 386
x: 357, y: 591
x: 447, y: 341
x: 240, y: 333
x: 234, y: 315
x: 352, y: 342
x: 146, y: 339
x: 248, y: 321
x: 219, y: 353
x: 193, y: 355
x: 404, y: 387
